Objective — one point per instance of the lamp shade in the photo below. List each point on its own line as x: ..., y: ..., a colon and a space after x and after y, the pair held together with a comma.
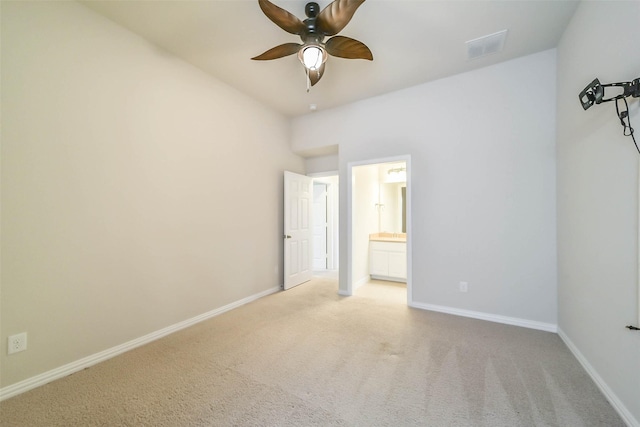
x: 312, y: 57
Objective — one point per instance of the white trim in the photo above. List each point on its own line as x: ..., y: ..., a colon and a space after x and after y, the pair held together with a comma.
x: 361, y: 282
x: 349, y: 267
x: 78, y: 365
x: 389, y: 278
x: 515, y: 321
x: 327, y: 174
x: 622, y: 410
x: 409, y: 229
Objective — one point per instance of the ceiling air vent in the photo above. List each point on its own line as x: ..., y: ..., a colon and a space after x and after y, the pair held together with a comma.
x: 486, y: 45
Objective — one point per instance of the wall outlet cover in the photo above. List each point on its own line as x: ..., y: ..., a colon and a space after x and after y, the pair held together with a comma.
x: 17, y: 343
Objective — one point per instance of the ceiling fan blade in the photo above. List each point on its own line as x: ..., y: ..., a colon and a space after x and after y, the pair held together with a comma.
x: 279, y: 52
x: 345, y: 47
x: 283, y: 19
x: 336, y: 16
x: 315, y: 76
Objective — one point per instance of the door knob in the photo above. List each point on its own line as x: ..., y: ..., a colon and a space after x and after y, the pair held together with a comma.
x: 286, y: 236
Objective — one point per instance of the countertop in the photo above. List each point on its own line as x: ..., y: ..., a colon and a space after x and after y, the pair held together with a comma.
x: 388, y: 237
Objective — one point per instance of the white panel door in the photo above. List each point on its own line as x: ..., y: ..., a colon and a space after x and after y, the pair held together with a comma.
x: 319, y: 226
x: 298, y: 254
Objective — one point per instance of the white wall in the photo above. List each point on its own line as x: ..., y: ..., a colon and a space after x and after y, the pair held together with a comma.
x: 598, y: 200
x: 321, y: 164
x: 483, y: 184
x: 126, y: 206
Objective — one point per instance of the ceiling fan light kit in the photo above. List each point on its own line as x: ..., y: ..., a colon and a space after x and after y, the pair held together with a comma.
x: 313, y: 52
x: 312, y: 56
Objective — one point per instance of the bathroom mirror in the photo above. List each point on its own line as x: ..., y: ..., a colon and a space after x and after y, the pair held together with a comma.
x: 393, y: 215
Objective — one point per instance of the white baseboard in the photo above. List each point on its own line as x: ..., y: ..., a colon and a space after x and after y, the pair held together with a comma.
x: 388, y: 278
x: 78, y: 365
x: 531, y: 324
x: 622, y: 410
x: 355, y: 285
x: 360, y: 282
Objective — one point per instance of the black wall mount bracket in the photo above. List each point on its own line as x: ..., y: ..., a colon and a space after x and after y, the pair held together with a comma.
x: 594, y: 93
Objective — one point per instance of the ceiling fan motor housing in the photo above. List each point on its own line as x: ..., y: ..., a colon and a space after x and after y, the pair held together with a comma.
x: 311, y: 33
x: 312, y: 9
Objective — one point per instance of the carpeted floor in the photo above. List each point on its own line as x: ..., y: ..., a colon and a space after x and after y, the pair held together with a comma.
x: 310, y: 357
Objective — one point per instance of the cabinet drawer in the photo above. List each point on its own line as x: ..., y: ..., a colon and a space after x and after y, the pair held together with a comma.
x: 388, y: 246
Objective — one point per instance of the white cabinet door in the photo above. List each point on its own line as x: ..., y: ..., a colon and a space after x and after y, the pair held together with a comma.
x: 378, y: 263
x: 398, y: 264
x: 388, y: 260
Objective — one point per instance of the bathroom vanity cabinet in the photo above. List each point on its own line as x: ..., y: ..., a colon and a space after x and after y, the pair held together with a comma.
x: 388, y: 259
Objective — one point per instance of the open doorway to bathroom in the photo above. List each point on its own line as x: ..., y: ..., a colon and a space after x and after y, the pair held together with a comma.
x: 379, y: 233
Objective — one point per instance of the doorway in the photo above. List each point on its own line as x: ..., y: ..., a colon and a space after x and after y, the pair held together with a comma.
x: 320, y: 226
x: 325, y: 225
x: 379, y: 223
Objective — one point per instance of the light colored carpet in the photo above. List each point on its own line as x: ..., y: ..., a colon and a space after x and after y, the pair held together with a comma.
x: 310, y: 357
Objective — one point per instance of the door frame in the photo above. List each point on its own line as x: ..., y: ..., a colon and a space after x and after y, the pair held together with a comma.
x: 349, y: 267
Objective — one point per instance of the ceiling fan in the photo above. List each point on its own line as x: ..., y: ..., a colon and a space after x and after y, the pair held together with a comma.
x: 314, y: 50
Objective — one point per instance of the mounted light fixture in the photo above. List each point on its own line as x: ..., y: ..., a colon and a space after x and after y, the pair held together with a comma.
x: 396, y: 170
x: 398, y: 174
x: 312, y: 56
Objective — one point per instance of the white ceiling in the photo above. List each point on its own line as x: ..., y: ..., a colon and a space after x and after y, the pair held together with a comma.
x: 413, y: 42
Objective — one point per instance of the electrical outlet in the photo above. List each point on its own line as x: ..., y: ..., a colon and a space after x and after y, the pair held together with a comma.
x: 464, y: 286
x: 17, y: 343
